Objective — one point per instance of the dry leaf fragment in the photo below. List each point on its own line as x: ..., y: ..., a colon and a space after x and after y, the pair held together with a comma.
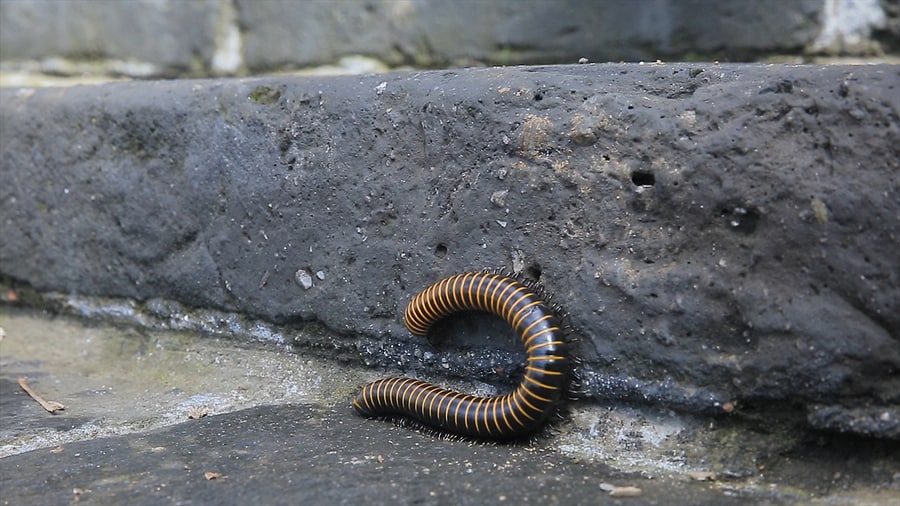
x: 209, y: 475
x: 51, y: 406
x: 617, y: 491
x: 625, y: 492
x: 702, y: 475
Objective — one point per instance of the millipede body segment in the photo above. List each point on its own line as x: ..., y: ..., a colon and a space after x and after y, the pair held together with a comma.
x: 507, y: 416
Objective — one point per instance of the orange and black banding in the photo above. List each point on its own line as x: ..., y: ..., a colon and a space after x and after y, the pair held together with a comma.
x: 507, y: 416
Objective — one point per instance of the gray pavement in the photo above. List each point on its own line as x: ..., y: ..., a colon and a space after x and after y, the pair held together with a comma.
x: 157, y: 417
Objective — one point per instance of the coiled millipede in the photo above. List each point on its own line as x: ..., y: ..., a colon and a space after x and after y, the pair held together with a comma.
x: 507, y: 416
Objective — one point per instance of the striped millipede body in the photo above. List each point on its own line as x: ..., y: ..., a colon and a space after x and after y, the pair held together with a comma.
x: 512, y: 415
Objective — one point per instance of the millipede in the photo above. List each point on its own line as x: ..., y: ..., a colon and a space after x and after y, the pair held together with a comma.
x: 500, y: 417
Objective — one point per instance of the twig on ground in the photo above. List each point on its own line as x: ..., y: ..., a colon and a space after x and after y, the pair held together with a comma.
x: 51, y: 406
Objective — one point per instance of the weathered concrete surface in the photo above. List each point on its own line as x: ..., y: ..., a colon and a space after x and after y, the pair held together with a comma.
x: 280, y: 430
x: 172, y: 38
x: 432, y: 32
x: 305, y: 454
x: 720, y: 235
x: 302, y: 454
x: 124, y: 380
x: 146, y: 37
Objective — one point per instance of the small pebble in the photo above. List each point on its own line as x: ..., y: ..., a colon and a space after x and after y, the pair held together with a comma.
x: 498, y: 198
x: 303, y: 279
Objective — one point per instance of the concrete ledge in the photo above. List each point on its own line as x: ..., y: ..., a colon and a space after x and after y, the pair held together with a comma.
x: 720, y: 235
x: 169, y: 38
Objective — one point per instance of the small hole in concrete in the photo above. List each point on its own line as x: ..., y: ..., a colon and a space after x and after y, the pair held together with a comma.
x: 533, y: 272
x: 643, y: 178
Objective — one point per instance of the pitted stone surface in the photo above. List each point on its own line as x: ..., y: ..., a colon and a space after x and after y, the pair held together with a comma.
x: 719, y: 235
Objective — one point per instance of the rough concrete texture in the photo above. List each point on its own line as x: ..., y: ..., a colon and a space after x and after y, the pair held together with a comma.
x: 720, y: 235
x: 433, y: 32
x: 125, y: 380
x: 304, y: 454
x: 164, y: 36
x: 232, y: 37
x: 150, y: 413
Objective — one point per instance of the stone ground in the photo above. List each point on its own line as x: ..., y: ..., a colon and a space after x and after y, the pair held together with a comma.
x: 718, y: 233
x: 157, y: 417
